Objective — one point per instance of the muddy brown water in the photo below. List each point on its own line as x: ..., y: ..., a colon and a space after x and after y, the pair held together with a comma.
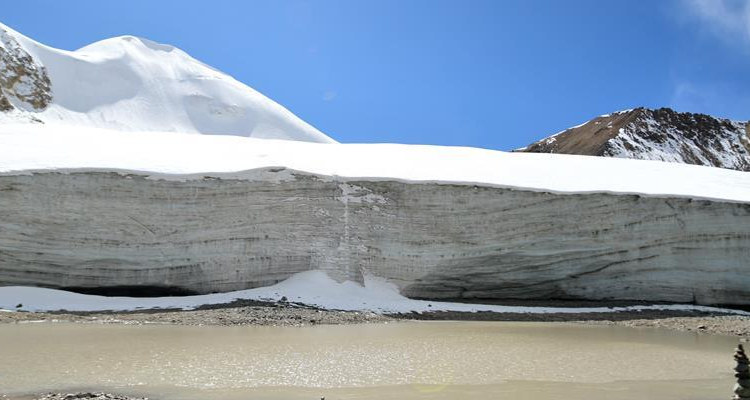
x: 404, y: 360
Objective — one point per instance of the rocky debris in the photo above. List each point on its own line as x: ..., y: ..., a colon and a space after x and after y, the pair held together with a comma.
x: 742, y: 373
x: 685, y: 321
x: 87, y: 396
x: 21, y: 77
x: 4, y: 103
x: 662, y: 134
x: 243, y: 312
x: 732, y: 325
x: 270, y: 314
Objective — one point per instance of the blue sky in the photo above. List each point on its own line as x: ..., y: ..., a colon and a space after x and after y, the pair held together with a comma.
x: 494, y: 74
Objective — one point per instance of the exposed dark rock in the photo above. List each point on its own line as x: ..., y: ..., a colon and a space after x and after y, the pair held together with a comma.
x: 21, y: 77
x: 662, y: 134
x: 4, y: 103
x: 742, y: 387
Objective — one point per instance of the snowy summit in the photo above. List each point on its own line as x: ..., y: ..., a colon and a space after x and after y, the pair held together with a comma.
x: 132, y: 84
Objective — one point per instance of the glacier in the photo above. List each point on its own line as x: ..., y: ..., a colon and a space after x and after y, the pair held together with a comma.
x: 129, y: 164
x: 91, y: 208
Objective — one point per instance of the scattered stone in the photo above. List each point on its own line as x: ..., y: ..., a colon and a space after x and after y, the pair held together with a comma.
x: 246, y: 312
x: 735, y: 325
x: 259, y: 313
x: 87, y: 396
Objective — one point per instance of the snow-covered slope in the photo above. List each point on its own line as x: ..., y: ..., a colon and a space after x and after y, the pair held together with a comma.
x: 172, y: 156
x: 132, y: 84
x: 662, y: 134
x: 29, y: 147
x: 313, y: 288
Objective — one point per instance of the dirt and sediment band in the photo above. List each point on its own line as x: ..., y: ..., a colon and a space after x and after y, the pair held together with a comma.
x: 246, y: 312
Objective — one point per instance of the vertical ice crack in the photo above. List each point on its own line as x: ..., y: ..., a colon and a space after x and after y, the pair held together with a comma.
x: 344, y: 260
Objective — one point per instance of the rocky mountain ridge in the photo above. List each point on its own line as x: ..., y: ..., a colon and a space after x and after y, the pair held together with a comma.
x: 661, y: 134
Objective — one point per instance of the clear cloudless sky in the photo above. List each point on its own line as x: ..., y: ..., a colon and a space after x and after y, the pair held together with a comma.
x: 494, y: 74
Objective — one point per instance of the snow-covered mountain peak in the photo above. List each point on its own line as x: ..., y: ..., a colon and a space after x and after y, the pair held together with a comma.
x: 126, y: 43
x: 134, y: 84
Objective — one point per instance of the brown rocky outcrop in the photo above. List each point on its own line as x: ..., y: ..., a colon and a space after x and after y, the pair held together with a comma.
x: 662, y: 134
x: 22, y: 78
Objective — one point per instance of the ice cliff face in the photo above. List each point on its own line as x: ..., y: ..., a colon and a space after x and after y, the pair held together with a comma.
x: 662, y: 134
x: 133, y: 84
x: 214, y: 233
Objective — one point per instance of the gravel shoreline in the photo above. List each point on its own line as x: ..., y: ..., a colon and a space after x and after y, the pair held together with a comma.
x: 232, y: 314
x: 683, y: 321
x: 732, y: 325
x: 73, y: 396
x: 245, y: 312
